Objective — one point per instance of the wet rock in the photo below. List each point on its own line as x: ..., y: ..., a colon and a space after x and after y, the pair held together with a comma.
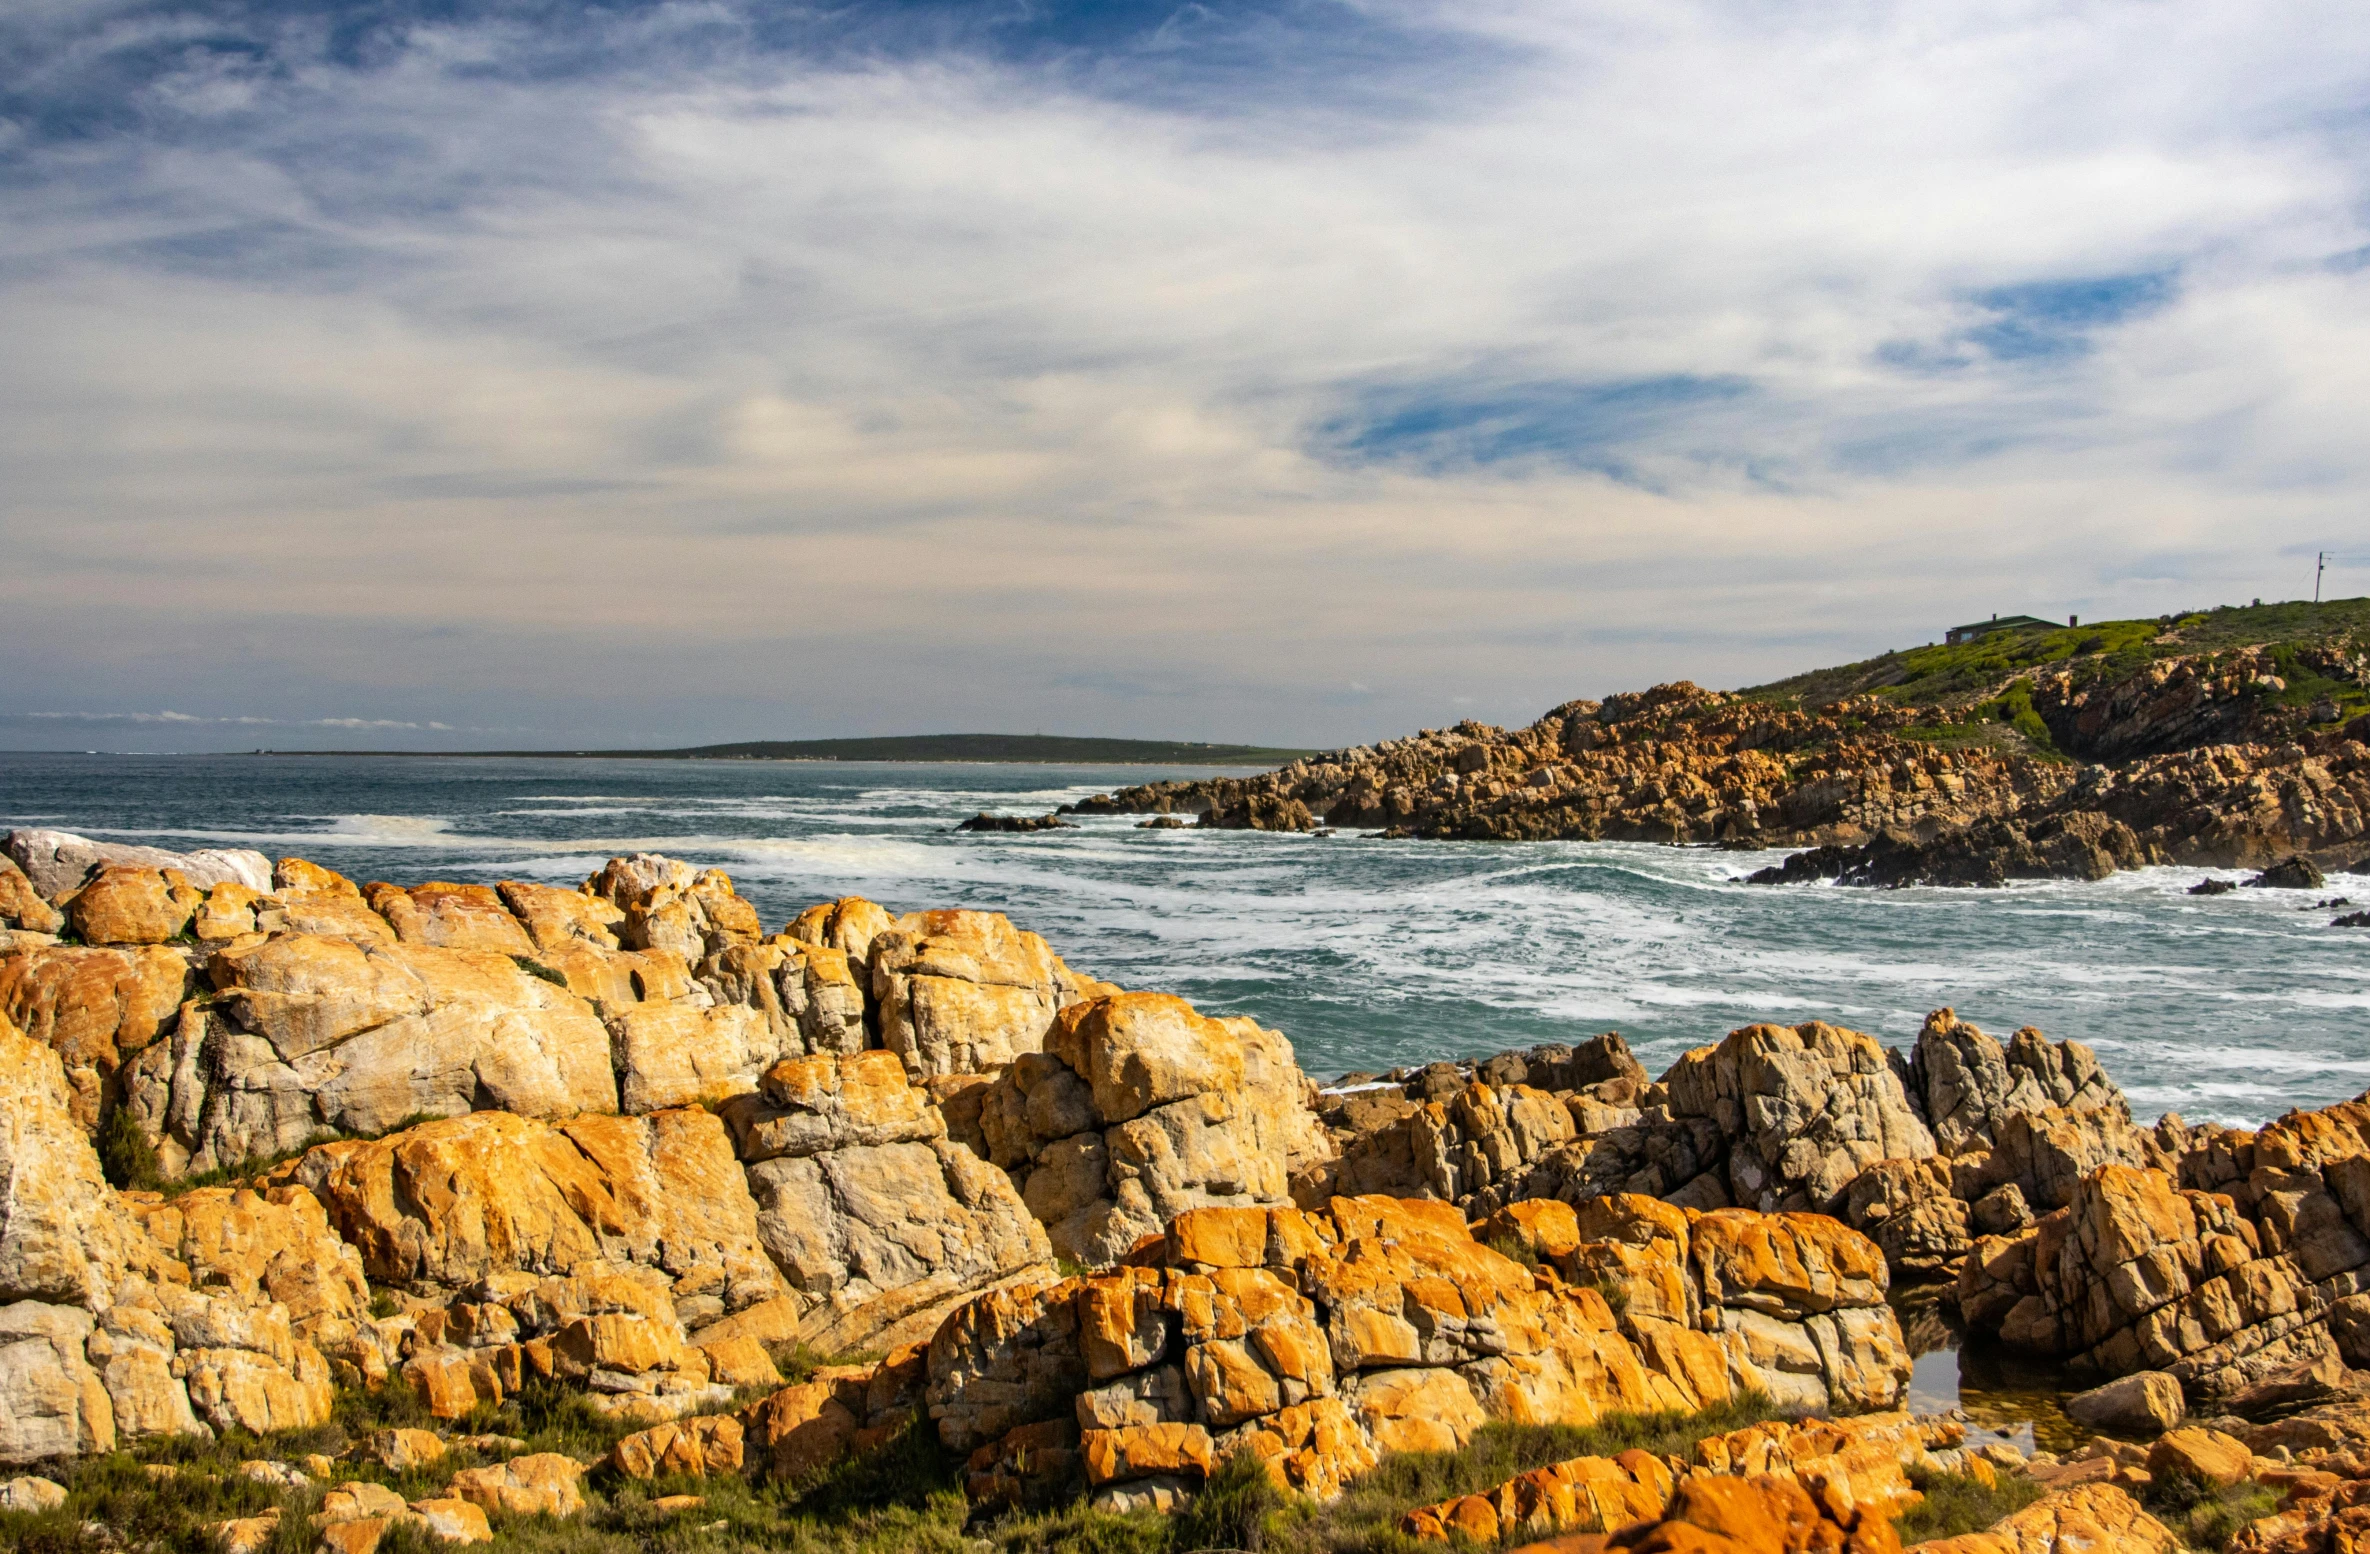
x: 2294, y: 872
x: 983, y: 821
x: 2213, y: 887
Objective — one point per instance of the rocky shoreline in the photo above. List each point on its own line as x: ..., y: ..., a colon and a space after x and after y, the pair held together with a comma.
x: 282, y: 1148
x: 2066, y: 768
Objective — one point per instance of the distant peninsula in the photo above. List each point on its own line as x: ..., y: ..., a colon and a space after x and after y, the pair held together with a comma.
x: 1016, y: 749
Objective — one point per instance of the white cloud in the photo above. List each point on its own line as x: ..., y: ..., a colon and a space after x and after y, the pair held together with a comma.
x: 733, y: 393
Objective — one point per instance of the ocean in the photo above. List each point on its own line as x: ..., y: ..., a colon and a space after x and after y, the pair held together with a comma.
x: 1368, y: 954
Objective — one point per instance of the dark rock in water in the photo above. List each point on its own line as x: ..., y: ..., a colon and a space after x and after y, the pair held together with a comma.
x: 1161, y: 823
x: 2295, y: 872
x: 2078, y: 844
x: 983, y: 821
x: 1820, y: 863
x: 2351, y: 920
x: 2213, y: 887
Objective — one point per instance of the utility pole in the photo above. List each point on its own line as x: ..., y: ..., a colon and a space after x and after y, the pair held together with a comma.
x: 2320, y: 560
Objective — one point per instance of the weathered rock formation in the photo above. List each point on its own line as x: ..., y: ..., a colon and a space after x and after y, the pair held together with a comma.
x: 1139, y: 1109
x: 106, y: 1333
x: 1319, y: 1339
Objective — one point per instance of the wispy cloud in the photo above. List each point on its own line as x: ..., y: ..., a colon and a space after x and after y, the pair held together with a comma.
x: 735, y: 370
x: 189, y: 719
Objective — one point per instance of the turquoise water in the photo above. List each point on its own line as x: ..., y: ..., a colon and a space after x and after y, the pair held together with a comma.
x: 1366, y: 953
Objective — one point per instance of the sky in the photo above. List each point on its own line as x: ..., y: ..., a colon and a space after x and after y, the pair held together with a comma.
x: 506, y: 374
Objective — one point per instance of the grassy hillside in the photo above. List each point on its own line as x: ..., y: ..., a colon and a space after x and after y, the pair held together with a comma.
x: 1946, y: 676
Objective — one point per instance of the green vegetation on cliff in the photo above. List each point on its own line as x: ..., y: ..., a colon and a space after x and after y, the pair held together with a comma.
x: 1958, y: 675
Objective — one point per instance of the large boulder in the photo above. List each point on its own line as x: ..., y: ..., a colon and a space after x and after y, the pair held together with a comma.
x: 1805, y: 1110
x: 96, y: 1008
x: 1140, y: 1108
x: 102, y: 1334
x: 319, y: 1034
x: 58, y: 862
x: 878, y: 1223
x: 964, y: 992
x: 443, y: 1206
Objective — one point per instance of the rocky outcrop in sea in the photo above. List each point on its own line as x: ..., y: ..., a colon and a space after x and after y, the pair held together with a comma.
x: 274, y: 1137
x: 2188, y: 759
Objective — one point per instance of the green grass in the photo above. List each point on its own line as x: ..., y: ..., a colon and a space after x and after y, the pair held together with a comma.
x: 1958, y: 1503
x: 1365, y: 1520
x: 907, y: 1496
x: 2205, y: 1517
x: 1954, y: 676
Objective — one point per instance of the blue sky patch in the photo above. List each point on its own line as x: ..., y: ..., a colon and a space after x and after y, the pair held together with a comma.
x: 2048, y: 319
x: 1587, y: 425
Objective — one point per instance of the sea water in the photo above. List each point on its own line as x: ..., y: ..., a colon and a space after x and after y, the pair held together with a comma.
x: 1368, y: 954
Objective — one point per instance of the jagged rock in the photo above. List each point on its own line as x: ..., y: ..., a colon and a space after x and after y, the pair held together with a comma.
x: 98, y: 1008
x: 103, y: 1337
x: 2135, y: 1274
x: 964, y: 992
x: 2142, y: 1403
x: 1908, y: 1209
x: 1138, y: 1109
x: 21, y: 905
x: 1805, y: 1110
x: 849, y: 926
x: 1317, y: 1339
x: 1966, y: 1084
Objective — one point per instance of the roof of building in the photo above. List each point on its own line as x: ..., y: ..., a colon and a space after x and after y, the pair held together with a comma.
x: 2005, y: 623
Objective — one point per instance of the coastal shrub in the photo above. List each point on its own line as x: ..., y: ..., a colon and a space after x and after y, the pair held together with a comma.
x: 1233, y: 1509
x: 1365, y: 1518
x: 1958, y: 1503
x: 2205, y: 1516
x: 536, y: 968
x: 126, y: 1157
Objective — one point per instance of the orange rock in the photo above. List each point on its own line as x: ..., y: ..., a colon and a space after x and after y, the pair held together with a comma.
x: 95, y: 1008
x: 544, y: 1483
x: 453, y: 1521
x: 1417, y: 1410
x: 699, y: 1448
x: 739, y: 1362
x: 2202, y: 1456
x: 1139, y: 1451
x: 453, y: 917
x: 800, y: 1429
x: 133, y: 906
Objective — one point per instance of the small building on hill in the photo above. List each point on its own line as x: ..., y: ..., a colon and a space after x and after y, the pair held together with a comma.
x: 1978, y: 630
